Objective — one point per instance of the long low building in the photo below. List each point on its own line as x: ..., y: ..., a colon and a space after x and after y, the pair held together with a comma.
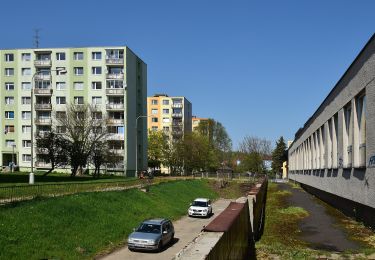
x: 333, y: 155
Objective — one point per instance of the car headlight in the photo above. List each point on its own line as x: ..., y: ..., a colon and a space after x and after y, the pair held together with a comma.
x: 130, y: 240
x: 205, y: 210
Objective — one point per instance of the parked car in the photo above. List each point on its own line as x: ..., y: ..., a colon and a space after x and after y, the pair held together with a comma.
x: 200, y: 207
x: 152, y: 234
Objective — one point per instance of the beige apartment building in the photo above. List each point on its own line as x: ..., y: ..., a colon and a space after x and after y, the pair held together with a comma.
x: 196, y: 121
x: 173, y: 115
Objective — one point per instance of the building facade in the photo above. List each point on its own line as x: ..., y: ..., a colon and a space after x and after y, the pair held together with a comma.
x: 173, y: 115
x: 113, y: 79
x: 195, y: 122
x: 333, y: 154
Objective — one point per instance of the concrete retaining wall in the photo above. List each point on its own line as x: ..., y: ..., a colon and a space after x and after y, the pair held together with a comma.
x: 230, y: 235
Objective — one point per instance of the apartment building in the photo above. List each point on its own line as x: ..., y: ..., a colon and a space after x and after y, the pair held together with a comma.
x: 333, y: 154
x: 173, y: 115
x: 196, y: 121
x: 113, y: 79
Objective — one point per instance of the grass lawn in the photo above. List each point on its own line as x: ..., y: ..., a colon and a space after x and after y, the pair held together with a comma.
x: 281, y: 234
x: 82, y: 225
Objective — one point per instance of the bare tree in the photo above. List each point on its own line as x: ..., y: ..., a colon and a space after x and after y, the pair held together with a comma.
x: 83, y: 132
x: 253, y: 144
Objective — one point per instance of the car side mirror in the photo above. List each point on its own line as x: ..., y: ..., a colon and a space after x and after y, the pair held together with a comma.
x: 209, y: 205
x: 134, y: 229
x: 190, y: 204
x: 165, y: 232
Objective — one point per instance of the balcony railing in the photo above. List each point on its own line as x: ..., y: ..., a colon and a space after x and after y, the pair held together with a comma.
x: 114, y: 61
x: 43, y: 121
x: 115, y: 106
x: 115, y: 76
x: 43, y: 91
x: 112, y: 121
x: 177, y: 105
x: 115, y: 91
x: 42, y: 63
x: 177, y: 124
x: 118, y: 151
x: 114, y: 136
x: 177, y: 115
x: 43, y: 106
x: 42, y: 77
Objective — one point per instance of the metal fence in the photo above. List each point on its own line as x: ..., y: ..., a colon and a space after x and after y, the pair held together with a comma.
x: 15, y: 193
x: 252, y: 177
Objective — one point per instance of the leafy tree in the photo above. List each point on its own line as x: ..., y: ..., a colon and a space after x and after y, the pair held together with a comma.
x: 196, y: 152
x: 278, y: 156
x: 52, y: 148
x: 157, y: 141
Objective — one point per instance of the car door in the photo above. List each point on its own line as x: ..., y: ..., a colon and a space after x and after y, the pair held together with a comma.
x: 165, y: 237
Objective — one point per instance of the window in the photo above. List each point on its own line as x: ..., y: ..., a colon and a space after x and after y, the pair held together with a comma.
x: 165, y: 102
x: 60, y: 129
x: 60, y: 56
x: 78, y: 71
x: 26, y: 157
x: 96, y: 70
x: 9, y: 100
x: 115, y: 84
x: 60, y: 85
x: 154, y: 101
x: 96, y: 55
x: 9, y: 72
x: 26, y: 71
x: 154, y: 111
x: 9, y: 129
x: 9, y: 57
x: 60, y: 100
x: 9, y: 114
x: 26, y: 115
x: 96, y: 100
x: 78, y: 56
x: 154, y: 119
x: 347, y: 136
x: 60, y: 70
x: 115, y: 129
x: 9, y: 86
x: 97, y: 115
x: 360, y: 138
x: 78, y: 100
x: 154, y: 128
x: 166, y: 120
x: 26, y: 143
x: 10, y: 143
x: 96, y: 85
x: 43, y: 84
x: 78, y: 85
x: 26, y: 100
x: 26, y: 85
x: 26, y: 129
x: 165, y: 111
x: 60, y: 114
x: 26, y: 56
x: 166, y: 128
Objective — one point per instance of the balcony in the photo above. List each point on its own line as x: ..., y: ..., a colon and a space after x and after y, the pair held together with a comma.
x: 118, y: 151
x: 114, y: 61
x: 40, y: 164
x: 43, y: 121
x: 115, y: 106
x: 116, y: 136
x: 115, y: 91
x: 177, y: 105
x: 42, y: 63
x: 41, y: 134
x: 115, y: 76
x: 112, y: 121
x: 46, y: 77
x: 43, y: 91
x: 177, y: 133
x: 43, y: 106
x: 177, y: 115
x: 177, y: 124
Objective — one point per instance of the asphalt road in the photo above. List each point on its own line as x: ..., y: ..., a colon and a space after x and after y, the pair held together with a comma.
x: 186, y: 229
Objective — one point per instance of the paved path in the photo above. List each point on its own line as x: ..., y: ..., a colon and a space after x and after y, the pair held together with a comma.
x: 186, y: 229
x: 318, y: 228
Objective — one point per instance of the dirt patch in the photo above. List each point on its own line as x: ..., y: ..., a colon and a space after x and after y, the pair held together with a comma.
x: 232, y: 190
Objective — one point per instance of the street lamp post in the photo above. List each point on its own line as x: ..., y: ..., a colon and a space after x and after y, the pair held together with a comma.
x: 13, y: 146
x: 62, y: 71
x: 136, y: 143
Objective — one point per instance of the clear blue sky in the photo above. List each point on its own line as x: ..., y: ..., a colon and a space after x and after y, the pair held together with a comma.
x: 259, y: 67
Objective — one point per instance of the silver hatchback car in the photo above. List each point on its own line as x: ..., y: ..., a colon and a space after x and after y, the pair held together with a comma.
x: 152, y: 234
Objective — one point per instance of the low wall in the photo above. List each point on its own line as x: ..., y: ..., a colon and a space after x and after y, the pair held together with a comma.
x: 231, y: 234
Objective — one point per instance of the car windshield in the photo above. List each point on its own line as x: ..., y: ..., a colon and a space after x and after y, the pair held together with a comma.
x: 149, y: 228
x: 199, y: 204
